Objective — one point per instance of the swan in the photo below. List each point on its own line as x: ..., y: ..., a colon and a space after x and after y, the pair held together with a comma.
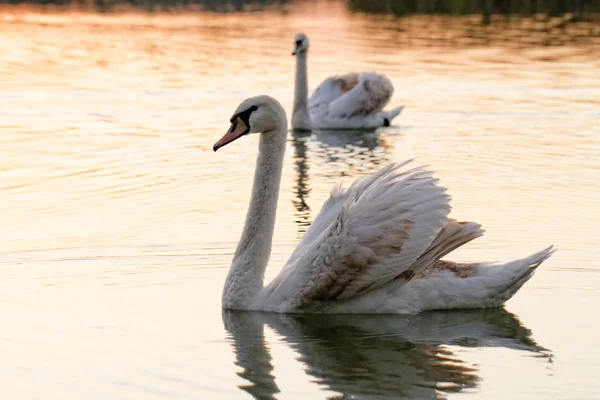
x: 352, y: 101
x: 375, y: 247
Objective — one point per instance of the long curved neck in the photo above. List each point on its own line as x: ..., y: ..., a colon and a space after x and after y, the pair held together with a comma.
x: 300, y: 116
x: 246, y: 275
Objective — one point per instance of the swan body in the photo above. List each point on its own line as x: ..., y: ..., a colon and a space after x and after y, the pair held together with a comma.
x: 352, y: 101
x: 375, y: 247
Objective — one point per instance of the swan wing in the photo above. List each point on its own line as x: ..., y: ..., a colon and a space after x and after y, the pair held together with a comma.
x: 365, y: 236
x: 331, y: 89
x: 328, y: 214
x: 368, y: 97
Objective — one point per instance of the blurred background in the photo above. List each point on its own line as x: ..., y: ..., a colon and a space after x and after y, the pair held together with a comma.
x: 119, y: 221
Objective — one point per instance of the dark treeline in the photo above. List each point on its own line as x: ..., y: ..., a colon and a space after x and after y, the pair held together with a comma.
x: 161, y: 5
x: 578, y: 9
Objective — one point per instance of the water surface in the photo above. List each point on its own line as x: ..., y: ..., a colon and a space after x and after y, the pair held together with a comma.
x: 119, y: 222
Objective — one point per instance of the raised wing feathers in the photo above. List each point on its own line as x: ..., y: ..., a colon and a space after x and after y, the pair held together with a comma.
x: 366, y: 235
x: 352, y: 95
x: 368, y: 97
x: 331, y: 89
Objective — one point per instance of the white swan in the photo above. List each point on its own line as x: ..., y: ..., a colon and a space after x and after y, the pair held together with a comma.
x: 351, y: 101
x: 375, y: 247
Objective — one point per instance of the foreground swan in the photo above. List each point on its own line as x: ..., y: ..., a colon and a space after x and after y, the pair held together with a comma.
x: 352, y: 101
x: 374, y: 247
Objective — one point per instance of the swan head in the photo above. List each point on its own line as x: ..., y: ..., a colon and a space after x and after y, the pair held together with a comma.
x: 301, y: 44
x: 254, y: 115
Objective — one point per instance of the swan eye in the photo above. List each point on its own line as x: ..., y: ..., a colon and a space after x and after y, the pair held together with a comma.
x: 245, y: 115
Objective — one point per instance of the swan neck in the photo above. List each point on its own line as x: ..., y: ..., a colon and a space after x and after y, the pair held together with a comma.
x: 246, y: 275
x: 301, y: 117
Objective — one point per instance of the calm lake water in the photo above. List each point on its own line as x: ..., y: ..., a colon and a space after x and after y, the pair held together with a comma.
x: 119, y: 222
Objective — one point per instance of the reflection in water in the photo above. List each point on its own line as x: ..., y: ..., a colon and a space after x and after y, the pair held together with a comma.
x: 301, y: 188
x: 352, y: 147
x: 251, y: 352
x: 386, y: 356
x: 366, y: 138
x: 361, y: 151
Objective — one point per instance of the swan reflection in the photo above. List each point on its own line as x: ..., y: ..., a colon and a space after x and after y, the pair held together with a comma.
x: 375, y: 356
x: 332, y: 154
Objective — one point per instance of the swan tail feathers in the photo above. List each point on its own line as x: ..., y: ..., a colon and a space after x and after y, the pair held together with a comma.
x: 524, y: 267
x: 503, y: 281
x: 388, y: 116
x: 448, y: 285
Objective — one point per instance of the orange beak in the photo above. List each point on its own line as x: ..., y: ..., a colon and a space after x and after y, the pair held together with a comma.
x: 236, y: 130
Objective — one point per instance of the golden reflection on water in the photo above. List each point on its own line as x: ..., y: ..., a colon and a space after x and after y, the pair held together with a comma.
x: 119, y: 222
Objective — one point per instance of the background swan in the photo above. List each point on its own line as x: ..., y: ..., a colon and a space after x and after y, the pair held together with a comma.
x: 375, y: 247
x: 341, y: 102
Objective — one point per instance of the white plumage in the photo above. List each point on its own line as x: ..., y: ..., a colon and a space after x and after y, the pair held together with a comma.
x: 375, y: 247
x: 351, y: 101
